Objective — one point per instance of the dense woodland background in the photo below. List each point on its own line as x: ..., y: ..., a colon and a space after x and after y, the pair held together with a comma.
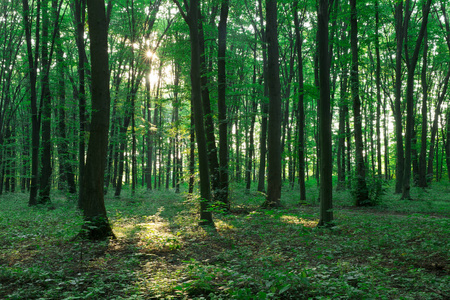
x: 312, y: 136
x: 388, y: 65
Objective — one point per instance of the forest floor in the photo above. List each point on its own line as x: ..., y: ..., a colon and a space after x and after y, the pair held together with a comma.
x: 399, y: 249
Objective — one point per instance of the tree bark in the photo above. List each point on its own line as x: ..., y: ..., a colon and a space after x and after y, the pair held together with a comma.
x: 362, y: 194
x: 274, y: 130
x: 410, y: 102
x: 96, y: 225
x: 32, y: 74
x: 46, y: 112
x: 400, y: 164
x: 326, y: 162
x: 222, y: 106
x: 301, y: 107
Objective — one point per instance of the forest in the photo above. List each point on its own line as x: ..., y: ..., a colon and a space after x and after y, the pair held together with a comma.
x: 224, y: 149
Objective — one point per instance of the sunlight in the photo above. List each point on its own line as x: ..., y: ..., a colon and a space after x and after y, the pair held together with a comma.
x: 150, y: 54
x: 298, y: 221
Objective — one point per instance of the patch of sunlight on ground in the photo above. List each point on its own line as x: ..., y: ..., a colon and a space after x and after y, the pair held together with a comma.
x: 298, y: 221
x: 224, y: 226
x: 156, y: 235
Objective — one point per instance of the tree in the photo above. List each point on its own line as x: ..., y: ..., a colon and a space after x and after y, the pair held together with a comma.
x: 411, y: 66
x: 191, y: 18
x: 274, y: 130
x: 91, y: 194
x: 301, y: 105
x: 32, y: 59
x: 222, y: 107
x: 362, y: 194
x: 326, y: 163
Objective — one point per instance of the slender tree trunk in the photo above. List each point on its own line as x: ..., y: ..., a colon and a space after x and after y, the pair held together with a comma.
x: 191, y: 153
x: 32, y: 74
x: 378, y: 84
x: 410, y: 102
x: 63, y: 146
x: 301, y: 106
x: 222, y: 107
x: 46, y: 114
x: 213, y: 161
x: 422, y: 181
x: 264, y: 108
x: 362, y: 194
x: 79, y: 19
x: 398, y: 95
x: 324, y: 109
x: 96, y: 220
x: 274, y: 130
x: 251, y: 148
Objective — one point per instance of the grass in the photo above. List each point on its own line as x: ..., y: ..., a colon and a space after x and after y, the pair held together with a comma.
x: 396, y: 250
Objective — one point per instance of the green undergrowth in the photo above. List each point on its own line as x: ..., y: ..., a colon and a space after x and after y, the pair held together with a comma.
x: 396, y: 250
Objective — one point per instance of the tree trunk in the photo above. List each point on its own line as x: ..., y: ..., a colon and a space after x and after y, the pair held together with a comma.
x: 274, y: 130
x: 410, y: 102
x: 301, y: 106
x: 32, y: 74
x: 362, y: 194
x: 378, y: 85
x: 213, y: 162
x: 222, y: 107
x: 264, y: 109
x: 96, y: 221
x: 399, y: 30
x: 422, y: 181
x: 46, y: 112
x: 326, y: 162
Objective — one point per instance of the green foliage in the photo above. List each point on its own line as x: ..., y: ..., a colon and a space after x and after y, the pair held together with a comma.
x: 376, y: 189
x: 395, y: 250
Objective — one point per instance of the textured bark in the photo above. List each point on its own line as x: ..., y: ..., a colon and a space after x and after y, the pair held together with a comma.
x: 213, y: 161
x: 378, y: 85
x: 79, y: 20
x: 422, y: 180
x: 362, y: 194
x: 326, y: 163
x: 97, y: 226
x: 46, y: 112
x: 301, y: 107
x: 66, y: 168
x: 32, y: 74
x: 222, y: 107
x: 412, y: 63
x: 264, y: 109
x: 274, y: 130
x: 398, y: 95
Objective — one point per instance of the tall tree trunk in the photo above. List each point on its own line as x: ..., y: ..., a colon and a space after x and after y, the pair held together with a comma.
x: 79, y: 19
x: 378, y: 85
x: 400, y: 164
x: 251, y: 148
x: 97, y: 225
x: 66, y: 169
x: 213, y: 161
x: 422, y: 181
x: 324, y: 111
x: 222, y: 106
x: 148, y: 137
x: 192, y: 19
x: 301, y: 106
x: 32, y: 74
x: 362, y: 194
x: 274, y: 130
x: 191, y: 153
x: 264, y: 108
x: 410, y: 101
x: 46, y: 113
